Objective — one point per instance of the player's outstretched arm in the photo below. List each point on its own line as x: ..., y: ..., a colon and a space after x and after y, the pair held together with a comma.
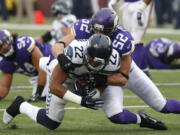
x: 36, y: 55
x: 5, y: 84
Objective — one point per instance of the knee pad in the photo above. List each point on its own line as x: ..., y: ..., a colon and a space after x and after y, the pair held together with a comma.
x: 44, y: 120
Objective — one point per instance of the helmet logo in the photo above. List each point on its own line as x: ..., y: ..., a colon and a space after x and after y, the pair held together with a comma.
x: 98, y: 27
x: 96, y: 46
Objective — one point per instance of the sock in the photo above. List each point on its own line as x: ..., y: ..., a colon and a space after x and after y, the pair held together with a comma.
x: 29, y: 110
x: 172, y: 106
x: 138, y: 119
x: 125, y: 117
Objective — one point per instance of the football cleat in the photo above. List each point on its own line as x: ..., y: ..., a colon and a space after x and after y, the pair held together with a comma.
x: 12, y: 110
x: 34, y: 98
x: 149, y: 122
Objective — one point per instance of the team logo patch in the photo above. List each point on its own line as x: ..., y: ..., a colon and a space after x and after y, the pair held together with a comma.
x: 69, y: 52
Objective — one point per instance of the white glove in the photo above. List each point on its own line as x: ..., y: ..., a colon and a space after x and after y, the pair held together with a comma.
x: 111, y: 4
x: 140, y: 12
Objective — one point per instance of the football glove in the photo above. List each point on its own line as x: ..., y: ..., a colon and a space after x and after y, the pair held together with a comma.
x: 90, y: 102
x: 65, y: 63
x: 97, y: 80
x: 79, y: 90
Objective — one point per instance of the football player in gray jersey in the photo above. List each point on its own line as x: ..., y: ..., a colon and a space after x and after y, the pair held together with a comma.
x: 61, y: 24
x: 93, y: 61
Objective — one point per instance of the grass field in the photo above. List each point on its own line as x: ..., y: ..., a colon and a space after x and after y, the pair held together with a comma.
x: 81, y: 121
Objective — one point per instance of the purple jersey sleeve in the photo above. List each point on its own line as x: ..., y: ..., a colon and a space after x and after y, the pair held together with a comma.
x: 81, y: 29
x: 122, y: 41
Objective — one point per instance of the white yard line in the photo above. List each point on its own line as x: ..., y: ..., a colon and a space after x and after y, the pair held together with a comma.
x: 83, y: 108
x: 157, y: 84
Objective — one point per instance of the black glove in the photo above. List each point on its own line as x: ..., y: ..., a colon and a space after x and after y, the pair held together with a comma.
x: 65, y: 63
x: 89, y: 102
x: 97, y: 80
x: 78, y: 90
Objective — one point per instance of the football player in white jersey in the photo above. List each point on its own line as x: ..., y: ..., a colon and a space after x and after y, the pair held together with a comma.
x: 136, y: 16
x: 129, y: 75
x: 92, y: 60
x: 61, y: 25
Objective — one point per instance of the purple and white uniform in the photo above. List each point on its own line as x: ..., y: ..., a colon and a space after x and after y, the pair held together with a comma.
x: 156, y: 51
x: 138, y: 82
x: 121, y: 38
x: 22, y: 63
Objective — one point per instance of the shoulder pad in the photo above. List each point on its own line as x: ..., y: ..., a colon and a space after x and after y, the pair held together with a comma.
x: 75, y: 51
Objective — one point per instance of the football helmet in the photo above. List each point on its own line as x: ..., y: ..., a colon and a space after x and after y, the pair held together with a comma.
x: 105, y: 20
x: 6, y: 38
x: 60, y: 8
x: 173, y: 52
x: 98, y: 52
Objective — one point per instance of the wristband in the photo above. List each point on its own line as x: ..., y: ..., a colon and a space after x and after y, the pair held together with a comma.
x: 124, y: 75
x: 61, y: 42
x: 69, y: 96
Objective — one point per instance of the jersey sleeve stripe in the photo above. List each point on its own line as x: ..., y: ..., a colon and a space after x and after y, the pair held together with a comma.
x: 31, y: 47
x: 130, y: 51
x: 73, y: 32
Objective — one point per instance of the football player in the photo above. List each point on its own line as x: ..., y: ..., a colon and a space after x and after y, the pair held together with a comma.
x: 161, y: 53
x: 135, y: 18
x: 105, y: 21
x: 93, y: 59
x: 61, y: 25
x: 21, y: 55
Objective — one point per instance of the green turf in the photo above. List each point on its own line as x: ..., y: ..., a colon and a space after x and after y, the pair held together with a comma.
x: 90, y: 122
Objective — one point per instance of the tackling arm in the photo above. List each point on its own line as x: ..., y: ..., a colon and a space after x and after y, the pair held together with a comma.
x: 121, y: 78
x: 58, y: 48
x: 5, y: 84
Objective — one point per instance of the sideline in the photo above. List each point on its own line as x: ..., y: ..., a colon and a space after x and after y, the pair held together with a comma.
x: 163, y: 31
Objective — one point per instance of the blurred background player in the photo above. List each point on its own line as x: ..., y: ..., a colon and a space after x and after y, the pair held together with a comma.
x: 162, y: 53
x: 61, y: 25
x: 22, y: 55
x: 135, y: 18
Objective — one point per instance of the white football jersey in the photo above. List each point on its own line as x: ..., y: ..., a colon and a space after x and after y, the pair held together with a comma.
x: 75, y: 52
x: 66, y: 22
